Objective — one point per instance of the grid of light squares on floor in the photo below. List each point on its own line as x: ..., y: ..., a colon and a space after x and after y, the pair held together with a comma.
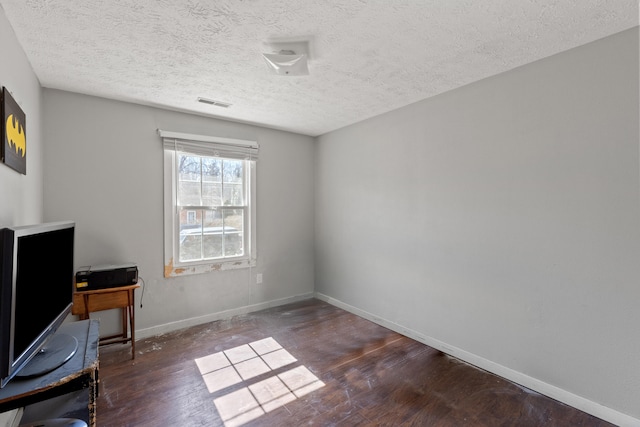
x: 242, y: 364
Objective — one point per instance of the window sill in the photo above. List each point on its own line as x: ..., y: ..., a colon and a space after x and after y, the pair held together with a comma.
x: 171, y: 270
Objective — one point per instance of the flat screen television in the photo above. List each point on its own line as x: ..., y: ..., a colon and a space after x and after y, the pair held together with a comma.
x: 36, y: 295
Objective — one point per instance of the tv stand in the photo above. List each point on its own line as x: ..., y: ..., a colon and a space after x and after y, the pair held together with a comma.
x: 78, y: 374
x: 56, y: 352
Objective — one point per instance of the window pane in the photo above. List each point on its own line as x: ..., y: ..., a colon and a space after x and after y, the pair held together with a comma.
x: 233, y: 191
x: 211, y: 181
x: 233, y: 232
x: 189, y: 186
x: 212, y: 230
x: 190, y: 248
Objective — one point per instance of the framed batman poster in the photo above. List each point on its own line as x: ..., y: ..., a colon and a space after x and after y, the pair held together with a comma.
x: 13, y: 131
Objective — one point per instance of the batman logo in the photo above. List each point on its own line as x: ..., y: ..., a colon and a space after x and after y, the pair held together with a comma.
x: 16, y: 136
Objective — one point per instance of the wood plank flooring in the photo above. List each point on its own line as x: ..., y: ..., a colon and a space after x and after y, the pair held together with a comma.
x: 308, y: 363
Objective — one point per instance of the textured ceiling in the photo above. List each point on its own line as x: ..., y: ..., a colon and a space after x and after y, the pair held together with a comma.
x: 367, y: 57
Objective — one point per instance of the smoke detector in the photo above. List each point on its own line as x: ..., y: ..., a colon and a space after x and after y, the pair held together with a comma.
x: 287, y: 58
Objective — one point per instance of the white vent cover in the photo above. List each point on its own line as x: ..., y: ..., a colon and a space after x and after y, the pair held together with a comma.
x: 214, y: 102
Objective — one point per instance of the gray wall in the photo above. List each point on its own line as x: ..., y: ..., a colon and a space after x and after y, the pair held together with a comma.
x: 501, y: 223
x: 104, y: 169
x: 21, y: 195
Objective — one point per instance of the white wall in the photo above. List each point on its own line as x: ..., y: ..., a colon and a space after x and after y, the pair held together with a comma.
x: 104, y: 169
x: 21, y: 195
x: 500, y: 222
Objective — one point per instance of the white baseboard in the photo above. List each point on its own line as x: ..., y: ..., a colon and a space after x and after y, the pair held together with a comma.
x: 578, y: 402
x: 174, y: 326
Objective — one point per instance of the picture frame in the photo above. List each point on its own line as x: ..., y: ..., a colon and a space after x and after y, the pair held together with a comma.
x: 13, y: 129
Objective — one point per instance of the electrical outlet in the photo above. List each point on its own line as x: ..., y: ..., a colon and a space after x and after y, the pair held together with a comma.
x: 259, y: 278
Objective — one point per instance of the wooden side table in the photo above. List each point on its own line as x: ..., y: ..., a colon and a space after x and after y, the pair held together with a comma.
x: 87, y: 302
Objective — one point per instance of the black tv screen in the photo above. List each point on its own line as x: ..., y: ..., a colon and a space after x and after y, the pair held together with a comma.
x: 36, y: 290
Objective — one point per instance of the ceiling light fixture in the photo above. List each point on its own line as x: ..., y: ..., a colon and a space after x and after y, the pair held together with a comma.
x: 287, y: 58
x: 214, y: 102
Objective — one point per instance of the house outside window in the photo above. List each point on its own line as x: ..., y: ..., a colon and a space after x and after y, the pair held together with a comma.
x: 209, y: 204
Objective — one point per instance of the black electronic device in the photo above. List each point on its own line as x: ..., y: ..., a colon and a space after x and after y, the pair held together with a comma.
x: 106, y: 276
x: 36, y: 295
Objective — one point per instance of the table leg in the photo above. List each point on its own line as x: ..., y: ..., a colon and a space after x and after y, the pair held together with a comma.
x: 85, y: 316
x: 132, y: 323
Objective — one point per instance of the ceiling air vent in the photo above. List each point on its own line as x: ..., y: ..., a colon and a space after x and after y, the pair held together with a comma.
x: 214, y: 102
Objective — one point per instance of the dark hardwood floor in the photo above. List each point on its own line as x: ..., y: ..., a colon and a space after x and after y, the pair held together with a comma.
x: 308, y: 363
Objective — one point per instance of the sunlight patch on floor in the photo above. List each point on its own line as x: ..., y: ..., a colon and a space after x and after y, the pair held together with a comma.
x: 239, y: 366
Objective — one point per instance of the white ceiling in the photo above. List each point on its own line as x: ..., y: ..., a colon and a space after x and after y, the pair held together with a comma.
x: 368, y: 57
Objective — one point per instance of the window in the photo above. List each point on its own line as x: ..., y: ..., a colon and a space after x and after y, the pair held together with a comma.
x: 191, y: 217
x: 209, y: 203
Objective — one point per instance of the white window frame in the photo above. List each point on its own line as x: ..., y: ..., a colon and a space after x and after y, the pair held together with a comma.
x: 174, y: 142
